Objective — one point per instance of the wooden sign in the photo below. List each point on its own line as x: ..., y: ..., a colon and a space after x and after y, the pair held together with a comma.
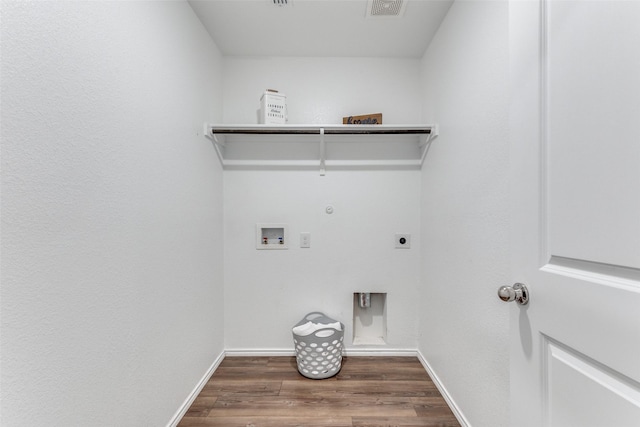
x: 367, y: 119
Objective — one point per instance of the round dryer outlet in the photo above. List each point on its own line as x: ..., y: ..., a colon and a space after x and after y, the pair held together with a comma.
x: 403, y: 241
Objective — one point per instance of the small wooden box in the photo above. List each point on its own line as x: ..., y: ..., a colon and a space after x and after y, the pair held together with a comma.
x: 367, y: 119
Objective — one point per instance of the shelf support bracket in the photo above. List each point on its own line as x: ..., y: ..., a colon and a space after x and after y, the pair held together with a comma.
x: 217, y: 143
x: 322, y: 153
x: 426, y: 143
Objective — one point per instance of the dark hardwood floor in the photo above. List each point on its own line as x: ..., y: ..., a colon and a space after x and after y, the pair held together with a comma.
x: 368, y: 391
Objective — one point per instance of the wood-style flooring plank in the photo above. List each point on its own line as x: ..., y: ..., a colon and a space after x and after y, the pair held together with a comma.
x: 267, y: 422
x: 433, y: 407
x: 271, y: 368
x: 348, y: 389
x: 403, y: 422
x: 270, y: 406
x: 368, y: 391
x: 384, y: 369
x: 224, y: 387
x: 201, y: 406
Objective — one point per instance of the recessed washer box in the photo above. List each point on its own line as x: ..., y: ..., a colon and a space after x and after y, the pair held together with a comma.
x: 370, y: 324
x: 272, y: 236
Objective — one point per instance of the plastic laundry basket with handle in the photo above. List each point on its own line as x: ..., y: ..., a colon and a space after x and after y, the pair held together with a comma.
x: 319, y: 354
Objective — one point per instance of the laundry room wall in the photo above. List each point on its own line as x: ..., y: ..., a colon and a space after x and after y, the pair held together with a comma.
x: 112, y: 282
x: 465, y: 245
x: 352, y: 249
x: 323, y: 90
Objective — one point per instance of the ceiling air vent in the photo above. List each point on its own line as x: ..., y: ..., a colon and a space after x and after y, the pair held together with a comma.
x: 389, y: 8
x: 280, y: 2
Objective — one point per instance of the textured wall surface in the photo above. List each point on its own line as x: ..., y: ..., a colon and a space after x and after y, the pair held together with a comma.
x: 111, y: 212
x: 352, y: 250
x: 463, y: 326
x: 323, y: 90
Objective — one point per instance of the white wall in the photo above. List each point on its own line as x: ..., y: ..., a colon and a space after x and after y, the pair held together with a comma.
x: 352, y: 250
x: 112, y: 297
x: 267, y: 292
x: 463, y: 326
x: 323, y: 90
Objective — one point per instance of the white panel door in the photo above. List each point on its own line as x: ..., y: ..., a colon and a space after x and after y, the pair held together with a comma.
x: 575, y: 174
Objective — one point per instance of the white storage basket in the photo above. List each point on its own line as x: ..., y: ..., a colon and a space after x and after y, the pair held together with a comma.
x: 319, y: 354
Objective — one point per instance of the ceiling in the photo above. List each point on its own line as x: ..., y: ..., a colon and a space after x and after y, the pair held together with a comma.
x: 319, y: 27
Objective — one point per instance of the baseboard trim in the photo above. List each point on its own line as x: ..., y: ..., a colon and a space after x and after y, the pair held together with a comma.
x: 402, y: 352
x: 443, y: 391
x: 347, y: 352
x: 196, y: 391
x: 259, y: 352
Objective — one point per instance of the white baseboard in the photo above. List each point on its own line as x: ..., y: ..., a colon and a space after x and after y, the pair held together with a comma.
x: 355, y: 351
x: 196, y: 391
x: 443, y: 391
x: 259, y: 352
x: 347, y: 352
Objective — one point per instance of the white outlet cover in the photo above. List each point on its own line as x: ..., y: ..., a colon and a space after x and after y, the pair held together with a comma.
x: 403, y: 241
x: 305, y: 240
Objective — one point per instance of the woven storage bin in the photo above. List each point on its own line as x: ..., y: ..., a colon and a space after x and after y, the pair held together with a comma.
x: 319, y: 354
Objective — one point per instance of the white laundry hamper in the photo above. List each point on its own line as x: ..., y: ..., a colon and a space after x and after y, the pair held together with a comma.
x: 319, y: 354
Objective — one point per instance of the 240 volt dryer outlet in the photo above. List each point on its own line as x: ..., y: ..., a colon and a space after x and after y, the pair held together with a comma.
x: 403, y: 241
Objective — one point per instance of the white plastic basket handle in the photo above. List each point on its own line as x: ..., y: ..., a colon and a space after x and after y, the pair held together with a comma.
x: 314, y: 315
x: 325, y: 332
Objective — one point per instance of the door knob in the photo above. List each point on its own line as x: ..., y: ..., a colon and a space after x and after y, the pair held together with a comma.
x: 518, y: 293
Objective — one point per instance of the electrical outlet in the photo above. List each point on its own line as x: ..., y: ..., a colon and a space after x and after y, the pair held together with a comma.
x: 403, y: 241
